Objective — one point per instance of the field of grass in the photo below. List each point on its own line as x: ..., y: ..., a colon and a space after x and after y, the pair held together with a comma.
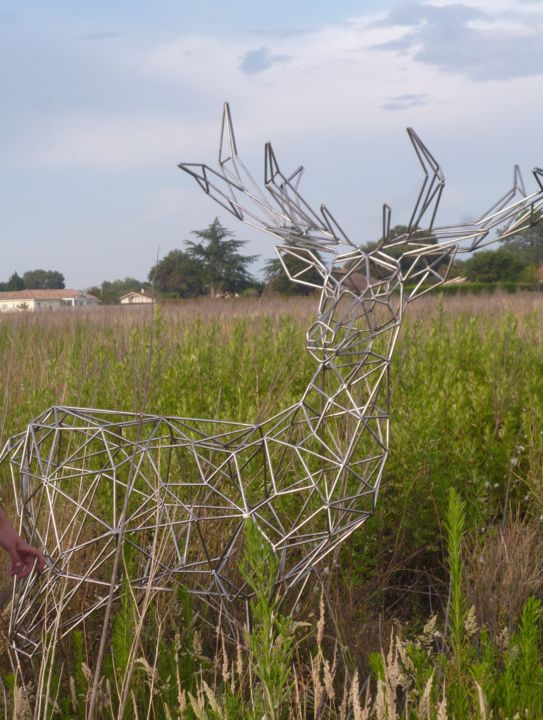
x: 467, y: 413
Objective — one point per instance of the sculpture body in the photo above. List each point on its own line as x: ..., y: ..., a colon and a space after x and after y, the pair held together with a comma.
x: 177, y: 492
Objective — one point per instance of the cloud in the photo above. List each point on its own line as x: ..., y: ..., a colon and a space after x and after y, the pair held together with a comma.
x: 256, y: 61
x: 140, y: 107
x: 404, y: 102
x: 465, y: 40
x: 411, y: 12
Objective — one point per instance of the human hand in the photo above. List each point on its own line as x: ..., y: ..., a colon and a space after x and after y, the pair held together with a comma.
x: 24, y: 557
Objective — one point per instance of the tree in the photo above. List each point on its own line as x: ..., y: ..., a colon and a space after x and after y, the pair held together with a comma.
x: 178, y: 275
x: 527, y: 246
x: 15, y: 282
x: 211, y: 265
x: 43, y: 280
x: 223, y: 267
x: 491, y: 266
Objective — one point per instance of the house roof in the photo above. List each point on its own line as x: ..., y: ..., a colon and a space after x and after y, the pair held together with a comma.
x: 134, y: 293
x: 352, y: 280
x: 23, y: 295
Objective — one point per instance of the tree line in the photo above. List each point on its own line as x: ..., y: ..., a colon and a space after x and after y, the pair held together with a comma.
x: 213, y: 265
x: 34, y: 280
x: 516, y: 259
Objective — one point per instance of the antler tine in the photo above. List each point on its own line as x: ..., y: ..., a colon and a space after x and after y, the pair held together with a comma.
x: 226, y: 197
x: 334, y: 227
x: 512, y: 217
x: 279, y: 191
x: 521, y: 214
x: 518, y: 182
x: 227, y: 137
x: 503, y: 202
x: 229, y: 160
x: 289, y: 218
x: 387, y: 215
x: 286, y: 194
x: 200, y: 173
x: 430, y: 192
x: 296, y: 176
x: 234, y: 178
x: 272, y: 171
x: 222, y: 190
x: 234, y: 182
x: 271, y: 166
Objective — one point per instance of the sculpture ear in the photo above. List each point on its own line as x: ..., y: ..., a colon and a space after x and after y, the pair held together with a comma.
x: 302, y: 265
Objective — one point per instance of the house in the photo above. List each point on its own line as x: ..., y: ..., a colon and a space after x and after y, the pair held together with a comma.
x: 34, y: 300
x: 137, y: 298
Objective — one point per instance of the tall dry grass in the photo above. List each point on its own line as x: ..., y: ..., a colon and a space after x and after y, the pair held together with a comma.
x: 466, y: 413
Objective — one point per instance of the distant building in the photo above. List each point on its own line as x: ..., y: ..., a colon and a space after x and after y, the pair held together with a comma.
x: 459, y: 280
x: 34, y: 300
x: 137, y: 298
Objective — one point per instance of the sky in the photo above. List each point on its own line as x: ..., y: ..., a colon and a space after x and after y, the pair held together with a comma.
x: 102, y: 99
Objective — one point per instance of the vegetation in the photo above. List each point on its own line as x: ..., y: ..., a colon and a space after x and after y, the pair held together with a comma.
x: 110, y: 292
x: 516, y: 259
x: 211, y: 266
x: 491, y: 266
x: 431, y: 610
x: 43, y: 279
x: 34, y: 280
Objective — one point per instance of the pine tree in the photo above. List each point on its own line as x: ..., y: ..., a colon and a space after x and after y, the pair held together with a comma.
x: 224, y: 269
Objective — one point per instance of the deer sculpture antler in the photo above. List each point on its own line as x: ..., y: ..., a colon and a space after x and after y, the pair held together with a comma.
x: 285, y: 214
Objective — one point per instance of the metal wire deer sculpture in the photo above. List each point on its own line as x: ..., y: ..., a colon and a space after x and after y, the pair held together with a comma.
x: 176, y: 494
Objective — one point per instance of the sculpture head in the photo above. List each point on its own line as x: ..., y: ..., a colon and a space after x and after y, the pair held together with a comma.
x: 315, y: 250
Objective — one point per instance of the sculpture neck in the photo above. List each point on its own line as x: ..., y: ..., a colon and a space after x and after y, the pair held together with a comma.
x: 352, y: 379
x: 346, y: 406
x: 353, y: 340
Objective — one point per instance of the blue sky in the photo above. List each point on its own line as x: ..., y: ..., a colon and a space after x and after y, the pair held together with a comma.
x: 101, y: 100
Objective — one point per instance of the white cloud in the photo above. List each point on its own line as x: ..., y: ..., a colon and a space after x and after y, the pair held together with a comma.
x: 335, y: 85
x: 467, y: 40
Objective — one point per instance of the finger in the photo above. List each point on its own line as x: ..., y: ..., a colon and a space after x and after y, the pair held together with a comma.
x: 16, y: 567
x: 37, y: 559
x: 34, y: 556
x: 24, y: 571
x: 22, y: 568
